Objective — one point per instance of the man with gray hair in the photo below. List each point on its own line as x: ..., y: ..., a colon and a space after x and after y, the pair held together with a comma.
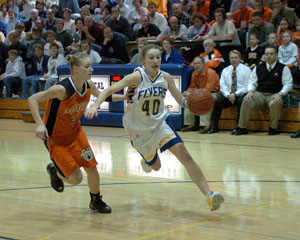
x: 212, y: 57
x: 182, y: 16
x: 30, y: 23
x: 175, y: 30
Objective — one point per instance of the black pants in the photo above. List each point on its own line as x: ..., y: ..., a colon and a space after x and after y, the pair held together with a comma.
x: 223, y: 102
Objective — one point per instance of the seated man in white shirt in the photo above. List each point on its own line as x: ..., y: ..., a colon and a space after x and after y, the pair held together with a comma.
x: 233, y: 87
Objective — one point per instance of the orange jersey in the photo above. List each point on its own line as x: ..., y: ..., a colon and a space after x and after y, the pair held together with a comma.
x: 241, y: 18
x: 63, y: 117
x: 204, y: 10
x: 267, y: 14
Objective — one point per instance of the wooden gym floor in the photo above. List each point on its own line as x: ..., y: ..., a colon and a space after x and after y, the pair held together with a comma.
x: 258, y: 174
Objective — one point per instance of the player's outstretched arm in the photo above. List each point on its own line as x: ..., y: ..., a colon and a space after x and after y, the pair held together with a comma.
x: 33, y: 102
x: 96, y: 93
x: 129, y: 80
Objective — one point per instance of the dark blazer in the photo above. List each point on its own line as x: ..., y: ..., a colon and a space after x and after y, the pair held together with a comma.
x: 44, y: 65
x: 28, y: 25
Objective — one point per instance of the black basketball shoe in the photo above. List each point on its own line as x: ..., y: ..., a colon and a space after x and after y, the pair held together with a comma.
x: 56, y: 183
x: 100, y: 206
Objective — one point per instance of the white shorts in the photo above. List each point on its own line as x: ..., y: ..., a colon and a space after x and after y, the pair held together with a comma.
x: 147, y: 142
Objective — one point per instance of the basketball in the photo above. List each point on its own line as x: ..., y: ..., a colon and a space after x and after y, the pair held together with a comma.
x: 200, y: 101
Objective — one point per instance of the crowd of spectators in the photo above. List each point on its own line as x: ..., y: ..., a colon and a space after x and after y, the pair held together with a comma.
x: 35, y: 37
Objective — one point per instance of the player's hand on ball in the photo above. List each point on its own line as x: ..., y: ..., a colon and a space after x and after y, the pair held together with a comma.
x: 186, y: 94
x: 90, y: 113
x: 41, y: 132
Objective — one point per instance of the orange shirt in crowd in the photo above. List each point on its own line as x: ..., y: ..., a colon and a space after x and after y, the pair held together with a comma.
x: 242, y: 18
x: 267, y: 14
x: 161, y: 6
x: 208, y: 79
x: 204, y: 10
x: 213, y: 61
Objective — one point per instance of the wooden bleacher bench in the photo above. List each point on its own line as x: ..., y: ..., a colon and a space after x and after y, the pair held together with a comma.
x: 17, y: 108
x: 259, y: 121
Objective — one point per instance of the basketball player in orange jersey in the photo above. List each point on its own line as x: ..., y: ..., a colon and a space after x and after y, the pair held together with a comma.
x: 62, y: 133
x: 145, y: 119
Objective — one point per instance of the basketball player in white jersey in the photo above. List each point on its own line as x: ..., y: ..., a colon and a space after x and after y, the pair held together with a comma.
x: 145, y: 119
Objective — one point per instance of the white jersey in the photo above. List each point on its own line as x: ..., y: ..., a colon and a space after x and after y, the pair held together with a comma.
x: 147, y: 111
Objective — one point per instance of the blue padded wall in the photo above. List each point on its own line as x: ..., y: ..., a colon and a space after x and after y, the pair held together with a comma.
x: 113, y: 117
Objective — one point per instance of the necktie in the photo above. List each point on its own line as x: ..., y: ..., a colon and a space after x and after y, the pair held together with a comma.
x: 233, y: 84
x: 269, y: 68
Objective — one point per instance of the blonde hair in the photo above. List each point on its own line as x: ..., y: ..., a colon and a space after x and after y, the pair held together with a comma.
x: 235, y: 52
x: 77, y: 59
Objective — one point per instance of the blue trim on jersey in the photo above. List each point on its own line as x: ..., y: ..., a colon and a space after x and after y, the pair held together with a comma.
x: 150, y: 77
x: 173, y: 141
x: 152, y: 161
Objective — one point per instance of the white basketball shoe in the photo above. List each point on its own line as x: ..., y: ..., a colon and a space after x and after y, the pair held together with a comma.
x: 214, y: 200
x: 145, y: 166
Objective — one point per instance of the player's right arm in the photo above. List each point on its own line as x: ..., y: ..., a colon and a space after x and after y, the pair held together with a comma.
x: 132, y: 79
x: 56, y: 91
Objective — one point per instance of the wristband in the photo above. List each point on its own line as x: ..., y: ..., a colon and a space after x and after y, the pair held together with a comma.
x: 183, y: 100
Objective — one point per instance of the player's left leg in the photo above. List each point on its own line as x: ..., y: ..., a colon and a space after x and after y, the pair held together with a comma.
x: 194, y: 171
x: 96, y: 203
x: 214, y: 199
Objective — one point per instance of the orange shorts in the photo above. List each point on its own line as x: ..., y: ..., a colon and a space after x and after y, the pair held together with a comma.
x: 71, y: 152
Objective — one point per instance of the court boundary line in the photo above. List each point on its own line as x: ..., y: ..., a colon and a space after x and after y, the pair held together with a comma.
x: 214, y: 219
x: 188, y: 141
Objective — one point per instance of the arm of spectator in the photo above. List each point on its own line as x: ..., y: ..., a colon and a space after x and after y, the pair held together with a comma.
x: 87, y: 34
x: 147, y: 38
x: 252, y: 85
x: 15, y: 71
x: 293, y: 59
x: 280, y: 55
x: 220, y: 38
x: 287, y: 81
x: 193, y: 84
x: 182, y: 31
x: 224, y: 88
x: 212, y: 80
x: 164, y: 33
x: 98, y: 59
